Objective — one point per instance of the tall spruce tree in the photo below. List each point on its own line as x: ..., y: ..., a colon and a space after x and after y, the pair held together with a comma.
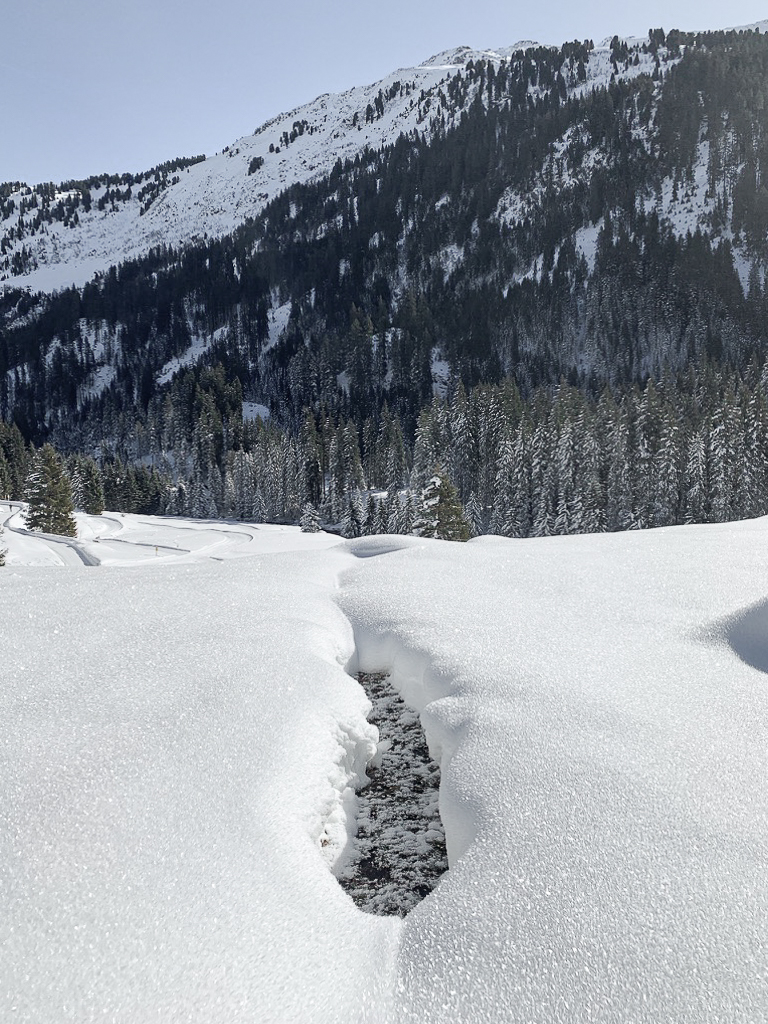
x: 49, y: 495
x: 310, y: 520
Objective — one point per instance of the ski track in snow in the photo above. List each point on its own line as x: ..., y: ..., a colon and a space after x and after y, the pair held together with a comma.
x: 118, y: 539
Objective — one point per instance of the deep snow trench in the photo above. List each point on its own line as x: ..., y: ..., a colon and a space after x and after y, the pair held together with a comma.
x: 399, y: 851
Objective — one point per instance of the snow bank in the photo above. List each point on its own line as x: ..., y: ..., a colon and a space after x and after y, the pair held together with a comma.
x: 180, y: 741
x: 603, y: 771
x: 172, y: 739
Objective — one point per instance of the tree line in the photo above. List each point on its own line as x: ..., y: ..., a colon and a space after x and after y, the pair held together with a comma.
x: 686, y: 447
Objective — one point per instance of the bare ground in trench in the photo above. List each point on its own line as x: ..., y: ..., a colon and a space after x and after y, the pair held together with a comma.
x: 400, y: 845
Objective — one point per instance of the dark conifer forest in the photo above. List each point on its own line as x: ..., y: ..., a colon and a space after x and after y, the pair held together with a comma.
x: 512, y: 298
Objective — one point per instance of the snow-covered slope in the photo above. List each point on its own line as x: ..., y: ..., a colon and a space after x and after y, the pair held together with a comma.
x: 216, y: 195
x: 178, y: 735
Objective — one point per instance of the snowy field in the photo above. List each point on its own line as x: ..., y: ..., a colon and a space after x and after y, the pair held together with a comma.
x: 180, y: 736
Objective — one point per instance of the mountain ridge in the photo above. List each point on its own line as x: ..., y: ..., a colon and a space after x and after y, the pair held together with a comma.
x: 553, y: 285
x: 214, y: 196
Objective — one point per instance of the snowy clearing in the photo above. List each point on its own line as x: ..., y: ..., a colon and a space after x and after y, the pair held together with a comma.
x: 181, y: 735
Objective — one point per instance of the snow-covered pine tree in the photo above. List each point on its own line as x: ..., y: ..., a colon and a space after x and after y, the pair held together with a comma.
x: 382, y: 518
x: 440, y: 513
x: 543, y: 494
x: 504, y: 520
x: 589, y: 488
x: 310, y: 458
x: 396, y: 457
x: 238, y: 483
x: 353, y: 516
x: 696, y: 486
x: 431, y: 443
x: 201, y: 502
x: 93, y: 488
x: 474, y: 515
x: 409, y: 512
x: 87, y: 487
x: 727, y: 456
x: 228, y: 509
x: 371, y: 515
x: 259, y: 508
x: 176, y: 504
x: 619, y: 482
x: 310, y: 519
x: 565, y: 466
x: 667, y: 475
x: 337, y: 483
x: 49, y: 495
x: 462, y: 449
x: 76, y: 481
x: 393, y: 510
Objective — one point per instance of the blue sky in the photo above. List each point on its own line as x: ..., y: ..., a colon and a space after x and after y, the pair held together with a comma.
x: 120, y: 85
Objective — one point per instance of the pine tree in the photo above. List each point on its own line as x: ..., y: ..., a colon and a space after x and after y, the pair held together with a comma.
x: 76, y: 481
x: 474, y: 515
x: 176, y: 502
x: 259, y: 510
x: 392, y: 511
x: 371, y: 516
x: 440, y: 514
x: 353, y: 517
x: 87, y: 488
x: 49, y: 495
x: 310, y: 519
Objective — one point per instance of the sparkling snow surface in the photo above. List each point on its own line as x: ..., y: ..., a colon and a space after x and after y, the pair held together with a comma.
x: 179, y: 734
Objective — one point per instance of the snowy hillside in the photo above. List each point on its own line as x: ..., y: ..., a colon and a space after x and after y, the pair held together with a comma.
x: 214, y: 196
x: 206, y: 198
x: 180, y: 731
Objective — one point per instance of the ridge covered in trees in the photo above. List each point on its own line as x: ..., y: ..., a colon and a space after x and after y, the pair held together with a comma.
x: 602, y: 368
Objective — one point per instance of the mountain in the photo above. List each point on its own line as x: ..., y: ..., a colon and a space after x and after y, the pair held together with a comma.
x: 57, y: 235
x: 490, y: 228
x: 53, y: 236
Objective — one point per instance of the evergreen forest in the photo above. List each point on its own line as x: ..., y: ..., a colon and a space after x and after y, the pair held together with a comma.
x: 552, y: 301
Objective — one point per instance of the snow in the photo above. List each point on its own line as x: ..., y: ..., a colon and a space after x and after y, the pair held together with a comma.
x: 586, y: 242
x: 255, y: 411
x: 198, y: 347
x: 99, y: 381
x: 118, y: 539
x: 603, y: 796
x: 215, y: 196
x: 180, y: 733
x: 441, y: 373
x: 759, y: 26
x: 688, y: 209
x: 450, y: 257
x: 277, y: 321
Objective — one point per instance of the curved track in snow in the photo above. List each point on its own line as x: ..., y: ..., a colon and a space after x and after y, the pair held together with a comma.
x: 116, y: 538
x: 41, y: 548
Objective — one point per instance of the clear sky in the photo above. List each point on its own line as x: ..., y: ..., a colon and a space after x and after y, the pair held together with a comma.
x: 119, y: 85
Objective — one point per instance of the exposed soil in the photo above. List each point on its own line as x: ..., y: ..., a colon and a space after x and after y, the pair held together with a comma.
x: 400, y: 844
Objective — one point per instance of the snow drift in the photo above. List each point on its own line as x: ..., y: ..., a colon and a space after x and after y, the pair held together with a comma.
x: 177, y: 733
